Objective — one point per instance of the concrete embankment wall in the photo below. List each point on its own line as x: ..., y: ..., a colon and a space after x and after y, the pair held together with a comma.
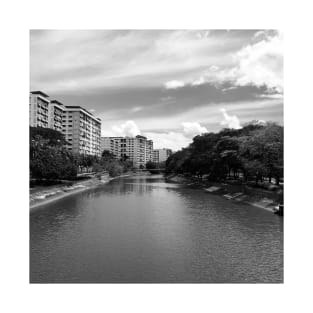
x: 54, y: 193
x: 233, y: 191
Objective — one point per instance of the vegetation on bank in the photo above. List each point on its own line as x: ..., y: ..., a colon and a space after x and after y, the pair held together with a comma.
x: 254, y: 152
x: 49, y: 158
x: 153, y: 167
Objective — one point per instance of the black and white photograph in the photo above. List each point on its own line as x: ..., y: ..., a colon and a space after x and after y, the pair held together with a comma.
x: 156, y: 156
x: 163, y: 161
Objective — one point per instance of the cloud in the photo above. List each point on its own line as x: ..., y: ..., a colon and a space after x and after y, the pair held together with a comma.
x: 213, y: 68
x: 173, y: 84
x: 172, y: 140
x: 272, y: 96
x: 118, y: 72
x: 192, y: 129
x: 203, y: 34
x: 176, y: 140
x: 128, y: 129
x: 207, y: 76
x: 230, y: 121
x: 136, y: 109
x: 83, y: 60
x: 200, y: 81
x: 261, y: 63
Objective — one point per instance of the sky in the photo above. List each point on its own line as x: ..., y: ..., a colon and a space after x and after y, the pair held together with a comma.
x: 168, y: 85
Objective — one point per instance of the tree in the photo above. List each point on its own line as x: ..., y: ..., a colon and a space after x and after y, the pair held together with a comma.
x: 49, y: 158
x: 151, y: 165
x: 256, y: 150
x: 115, y: 169
x: 107, y: 155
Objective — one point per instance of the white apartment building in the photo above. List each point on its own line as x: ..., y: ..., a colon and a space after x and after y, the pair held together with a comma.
x: 136, y: 149
x: 82, y: 130
x: 39, y: 109
x: 57, y: 110
x: 112, y: 144
x: 161, y: 155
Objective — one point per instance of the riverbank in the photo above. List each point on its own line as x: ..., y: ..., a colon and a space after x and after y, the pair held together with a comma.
x: 43, y: 195
x: 233, y: 191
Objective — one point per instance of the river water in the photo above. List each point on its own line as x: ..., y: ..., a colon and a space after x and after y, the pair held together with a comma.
x: 143, y: 229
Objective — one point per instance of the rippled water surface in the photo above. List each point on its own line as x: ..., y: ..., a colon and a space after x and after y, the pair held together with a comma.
x: 142, y: 229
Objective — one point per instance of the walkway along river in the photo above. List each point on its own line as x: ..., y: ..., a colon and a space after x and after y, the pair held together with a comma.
x: 142, y: 229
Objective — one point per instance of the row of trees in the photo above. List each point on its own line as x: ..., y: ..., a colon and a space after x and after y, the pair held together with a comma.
x: 49, y: 158
x: 252, y: 152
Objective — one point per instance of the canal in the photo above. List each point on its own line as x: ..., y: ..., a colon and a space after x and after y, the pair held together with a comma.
x: 143, y: 229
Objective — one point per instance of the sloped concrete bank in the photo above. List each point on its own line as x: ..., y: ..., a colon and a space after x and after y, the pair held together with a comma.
x: 264, y: 199
x: 50, y: 194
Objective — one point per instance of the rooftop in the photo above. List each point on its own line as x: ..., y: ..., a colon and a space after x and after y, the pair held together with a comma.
x: 39, y: 93
x: 140, y: 136
x: 57, y: 102
x: 83, y: 109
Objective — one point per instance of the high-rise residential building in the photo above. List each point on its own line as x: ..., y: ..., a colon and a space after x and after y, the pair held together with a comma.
x: 39, y: 109
x: 82, y: 130
x: 56, y: 112
x: 135, y: 149
x: 161, y: 155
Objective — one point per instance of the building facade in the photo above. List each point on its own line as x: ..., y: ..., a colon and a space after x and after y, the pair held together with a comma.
x: 161, y: 155
x: 56, y: 113
x: 39, y: 109
x: 137, y: 149
x: 82, y: 131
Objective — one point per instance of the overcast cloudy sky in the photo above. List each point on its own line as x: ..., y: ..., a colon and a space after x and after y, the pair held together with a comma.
x: 167, y: 85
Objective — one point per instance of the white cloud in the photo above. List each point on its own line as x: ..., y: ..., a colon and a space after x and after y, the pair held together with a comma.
x: 136, y: 109
x: 172, y: 140
x: 214, y: 68
x: 199, y: 81
x: 258, y: 63
x: 128, y: 129
x: 192, y: 129
x: 259, y: 33
x: 176, y: 140
x: 203, y: 34
x: 272, y: 96
x: 207, y: 76
x: 230, y: 121
x: 173, y: 84
x: 261, y: 63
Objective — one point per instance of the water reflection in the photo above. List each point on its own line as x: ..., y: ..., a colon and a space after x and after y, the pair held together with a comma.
x: 142, y: 229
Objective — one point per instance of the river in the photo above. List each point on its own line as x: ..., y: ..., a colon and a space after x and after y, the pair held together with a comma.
x: 142, y: 229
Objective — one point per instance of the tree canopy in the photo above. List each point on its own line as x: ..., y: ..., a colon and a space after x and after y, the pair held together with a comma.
x: 254, y: 151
